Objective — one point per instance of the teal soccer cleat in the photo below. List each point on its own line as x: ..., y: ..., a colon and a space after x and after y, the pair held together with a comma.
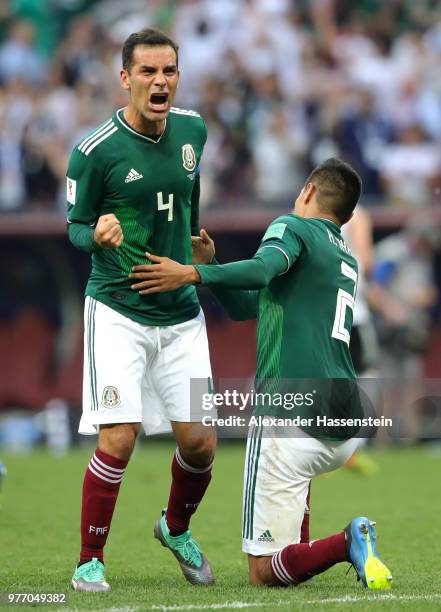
x: 194, y: 564
x: 89, y: 577
x: 362, y: 552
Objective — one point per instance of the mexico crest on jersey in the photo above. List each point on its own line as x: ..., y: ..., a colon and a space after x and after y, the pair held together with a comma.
x: 188, y: 157
x: 111, y: 397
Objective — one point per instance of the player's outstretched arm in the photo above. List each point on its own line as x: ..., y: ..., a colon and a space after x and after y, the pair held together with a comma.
x: 164, y: 274
x: 108, y: 233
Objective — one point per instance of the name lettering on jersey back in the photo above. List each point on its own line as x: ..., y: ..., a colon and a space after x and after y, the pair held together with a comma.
x: 338, y: 242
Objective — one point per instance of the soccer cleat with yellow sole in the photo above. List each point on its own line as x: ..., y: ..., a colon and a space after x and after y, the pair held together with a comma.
x: 362, y: 553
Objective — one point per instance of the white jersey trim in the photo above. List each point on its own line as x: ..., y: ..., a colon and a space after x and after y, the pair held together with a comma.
x: 184, y: 111
x: 273, y: 246
x: 83, y: 144
x: 95, y: 143
x: 137, y: 133
x: 86, y: 224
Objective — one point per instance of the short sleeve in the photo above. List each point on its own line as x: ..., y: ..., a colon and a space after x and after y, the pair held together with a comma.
x: 283, y: 235
x: 84, y: 189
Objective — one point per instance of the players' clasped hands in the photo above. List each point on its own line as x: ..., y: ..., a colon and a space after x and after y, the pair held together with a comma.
x: 108, y: 233
x: 165, y: 274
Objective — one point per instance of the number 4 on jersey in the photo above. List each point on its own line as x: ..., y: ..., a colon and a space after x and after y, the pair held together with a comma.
x: 344, y: 300
x: 168, y: 206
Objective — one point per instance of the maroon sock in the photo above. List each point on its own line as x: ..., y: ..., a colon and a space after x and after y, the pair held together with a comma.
x: 100, y: 491
x: 299, y: 562
x: 187, y: 489
x: 304, y: 531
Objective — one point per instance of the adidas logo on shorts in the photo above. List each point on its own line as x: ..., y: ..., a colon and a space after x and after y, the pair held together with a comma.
x: 266, y: 537
x: 133, y: 176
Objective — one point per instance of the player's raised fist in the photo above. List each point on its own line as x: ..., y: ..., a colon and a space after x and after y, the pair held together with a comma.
x: 108, y: 233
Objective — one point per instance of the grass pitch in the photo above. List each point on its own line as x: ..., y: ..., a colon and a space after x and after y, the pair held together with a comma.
x: 39, y: 537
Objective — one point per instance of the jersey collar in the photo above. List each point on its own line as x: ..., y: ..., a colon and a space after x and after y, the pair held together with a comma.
x: 121, y: 119
x: 334, y: 225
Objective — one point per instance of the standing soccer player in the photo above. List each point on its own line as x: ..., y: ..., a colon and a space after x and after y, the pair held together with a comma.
x: 306, y: 279
x: 132, y: 186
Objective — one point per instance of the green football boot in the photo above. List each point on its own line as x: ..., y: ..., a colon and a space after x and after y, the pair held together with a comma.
x: 194, y: 564
x: 90, y: 577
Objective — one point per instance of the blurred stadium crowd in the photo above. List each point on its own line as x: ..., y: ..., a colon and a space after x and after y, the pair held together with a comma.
x: 282, y: 84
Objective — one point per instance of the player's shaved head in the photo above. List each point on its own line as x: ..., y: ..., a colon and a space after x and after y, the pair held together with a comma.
x: 338, y: 188
x: 149, y: 37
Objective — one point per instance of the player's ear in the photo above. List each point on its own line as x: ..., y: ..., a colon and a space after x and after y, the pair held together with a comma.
x: 124, y: 79
x: 309, y: 192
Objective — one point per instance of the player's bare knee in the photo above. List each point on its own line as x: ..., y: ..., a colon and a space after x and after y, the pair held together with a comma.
x: 198, y: 450
x: 118, y: 440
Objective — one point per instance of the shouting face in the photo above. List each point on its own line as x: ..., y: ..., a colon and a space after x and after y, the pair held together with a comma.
x: 151, y: 81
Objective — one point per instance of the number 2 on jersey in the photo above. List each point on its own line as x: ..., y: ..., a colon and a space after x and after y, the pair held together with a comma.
x: 168, y: 206
x: 344, y: 300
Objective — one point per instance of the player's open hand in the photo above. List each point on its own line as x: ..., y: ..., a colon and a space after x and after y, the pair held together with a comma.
x: 203, y: 248
x: 163, y: 274
x: 108, y: 233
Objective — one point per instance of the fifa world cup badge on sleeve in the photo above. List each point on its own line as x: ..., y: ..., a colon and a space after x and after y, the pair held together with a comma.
x: 275, y: 231
x: 71, y: 189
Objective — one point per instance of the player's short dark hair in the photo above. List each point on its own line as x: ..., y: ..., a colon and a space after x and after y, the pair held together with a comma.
x: 150, y: 37
x: 338, y: 188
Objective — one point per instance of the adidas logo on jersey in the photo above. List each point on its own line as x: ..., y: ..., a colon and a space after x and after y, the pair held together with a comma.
x: 133, y: 176
x: 266, y: 537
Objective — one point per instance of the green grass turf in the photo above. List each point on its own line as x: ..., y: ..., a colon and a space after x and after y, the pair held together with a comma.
x: 39, y: 533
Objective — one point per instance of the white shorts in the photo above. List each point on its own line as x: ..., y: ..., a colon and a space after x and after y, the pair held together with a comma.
x: 137, y: 373
x: 276, y: 480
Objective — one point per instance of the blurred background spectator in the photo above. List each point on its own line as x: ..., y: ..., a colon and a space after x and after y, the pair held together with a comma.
x: 282, y: 84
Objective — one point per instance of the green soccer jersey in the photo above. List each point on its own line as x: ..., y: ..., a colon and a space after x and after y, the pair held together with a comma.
x: 152, y: 187
x: 305, y: 315
x: 305, y: 320
x: 307, y: 279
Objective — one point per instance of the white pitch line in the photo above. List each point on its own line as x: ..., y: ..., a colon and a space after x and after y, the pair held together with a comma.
x: 237, y: 605
x: 228, y: 605
x: 241, y: 605
x: 388, y: 597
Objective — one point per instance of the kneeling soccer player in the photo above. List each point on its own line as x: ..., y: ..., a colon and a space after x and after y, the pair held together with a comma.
x: 303, y: 283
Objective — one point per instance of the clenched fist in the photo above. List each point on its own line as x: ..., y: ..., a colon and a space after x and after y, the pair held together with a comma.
x: 108, y: 233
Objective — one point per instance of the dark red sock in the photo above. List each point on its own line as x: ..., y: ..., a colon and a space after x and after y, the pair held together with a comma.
x: 100, y: 491
x: 187, y: 490
x: 304, y: 532
x: 299, y: 562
